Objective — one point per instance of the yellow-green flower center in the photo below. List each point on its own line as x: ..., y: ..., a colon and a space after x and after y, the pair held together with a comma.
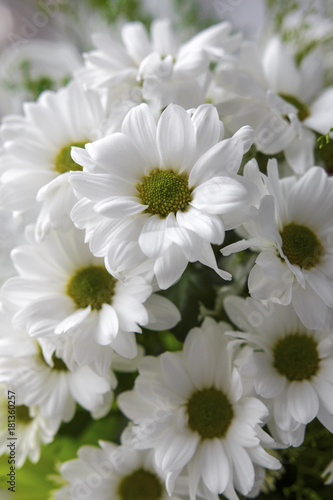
x: 91, y: 286
x: 301, y: 246
x: 210, y: 413
x: 64, y: 162
x: 296, y: 357
x: 164, y: 191
x: 58, y: 364
x: 22, y: 415
x: 140, y: 485
x: 303, y: 110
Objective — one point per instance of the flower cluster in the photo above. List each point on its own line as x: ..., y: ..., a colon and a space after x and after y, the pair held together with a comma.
x: 157, y: 162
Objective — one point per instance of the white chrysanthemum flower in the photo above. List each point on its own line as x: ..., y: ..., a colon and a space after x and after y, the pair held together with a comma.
x: 293, y: 232
x: 294, y: 365
x: 27, y: 69
x: 36, y: 153
x: 48, y: 382
x: 269, y: 91
x: 163, y: 192
x: 242, y: 94
x: 31, y: 430
x: 303, y: 88
x: 113, y: 471
x: 192, y: 408
x: 63, y: 288
x: 158, y: 66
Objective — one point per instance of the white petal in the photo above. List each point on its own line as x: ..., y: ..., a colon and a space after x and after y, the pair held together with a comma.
x: 187, y: 240
x: 280, y: 68
x: 119, y: 207
x: 108, y: 325
x: 311, y: 309
x: 176, y: 451
x: 303, y: 401
x: 116, y: 154
x: 176, y: 375
x: 207, y: 226
x: 207, y: 127
x: 73, y: 320
x: 130, y: 312
x: 97, y: 187
x: 322, y: 286
x: 299, y: 209
x: 325, y: 392
x: 140, y: 126
x: 208, y: 259
x: 220, y: 195
x: 201, y: 362
x: 225, y: 156
x: 125, y: 344
x: 162, y: 313
x: 136, y: 41
x: 170, y: 266
x: 152, y: 240
x: 320, y: 118
x: 162, y: 36
x: 216, y: 467
x: 176, y: 138
x: 243, y: 469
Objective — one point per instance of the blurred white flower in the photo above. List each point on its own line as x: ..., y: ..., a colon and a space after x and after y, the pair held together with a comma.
x: 165, y: 69
x: 31, y: 429
x: 32, y: 66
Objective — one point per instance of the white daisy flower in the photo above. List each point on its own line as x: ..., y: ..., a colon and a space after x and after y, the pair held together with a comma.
x: 27, y: 69
x: 62, y: 288
x: 49, y: 383
x: 303, y: 88
x: 293, y: 232
x: 294, y: 365
x: 112, y: 471
x: 192, y: 408
x: 163, y: 192
x: 285, y: 103
x: 159, y: 66
x: 36, y: 153
x: 32, y: 430
x: 242, y: 94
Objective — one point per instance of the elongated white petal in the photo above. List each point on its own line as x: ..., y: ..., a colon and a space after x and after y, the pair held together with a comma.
x: 176, y: 138
x: 303, y: 401
x: 216, y: 466
x: 219, y: 196
x: 108, y: 325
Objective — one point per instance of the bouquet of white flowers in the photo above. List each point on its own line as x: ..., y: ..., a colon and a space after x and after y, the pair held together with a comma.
x: 167, y: 251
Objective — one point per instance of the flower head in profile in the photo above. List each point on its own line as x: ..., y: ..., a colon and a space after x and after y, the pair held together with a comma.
x: 193, y: 409
x: 63, y: 289
x: 163, y: 191
x: 293, y: 231
x: 293, y: 365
